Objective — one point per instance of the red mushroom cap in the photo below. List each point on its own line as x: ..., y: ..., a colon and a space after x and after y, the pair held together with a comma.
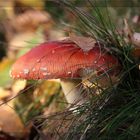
x: 61, y: 59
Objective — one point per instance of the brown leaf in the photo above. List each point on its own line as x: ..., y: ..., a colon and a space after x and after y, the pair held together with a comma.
x: 30, y: 20
x: 136, y: 52
x: 10, y: 122
x: 4, y: 93
x: 18, y: 86
x: 85, y: 43
x: 37, y: 4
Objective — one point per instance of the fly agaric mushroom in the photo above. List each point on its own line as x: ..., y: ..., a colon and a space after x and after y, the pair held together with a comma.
x: 67, y: 61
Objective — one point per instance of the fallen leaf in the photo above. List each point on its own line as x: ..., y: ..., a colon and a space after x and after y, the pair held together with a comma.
x: 18, y: 86
x: 5, y: 66
x: 30, y: 20
x: 85, y: 43
x: 37, y: 4
x: 10, y: 122
x: 45, y: 90
x: 136, y: 52
x: 23, y: 42
x: 4, y: 93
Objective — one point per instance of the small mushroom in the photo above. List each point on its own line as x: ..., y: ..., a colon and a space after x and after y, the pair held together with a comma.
x: 66, y: 61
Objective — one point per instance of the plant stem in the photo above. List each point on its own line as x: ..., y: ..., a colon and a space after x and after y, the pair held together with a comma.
x: 73, y: 90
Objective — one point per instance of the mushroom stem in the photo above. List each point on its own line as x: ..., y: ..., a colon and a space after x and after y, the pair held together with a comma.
x: 73, y: 90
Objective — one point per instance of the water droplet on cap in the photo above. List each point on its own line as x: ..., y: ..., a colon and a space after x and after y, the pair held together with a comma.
x: 43, y: 69
x: 95, y: 62
x: 26, y: 71
x: 38, y: 60
x: 53, y: 51
x: 46, y: 73
x: 69, y: 72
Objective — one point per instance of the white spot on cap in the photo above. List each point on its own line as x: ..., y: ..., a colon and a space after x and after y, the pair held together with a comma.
x: 38, y: 60
x: 95, y: 62
x: 18, y: 76
x: 33, y: 69
x: 43, y: 69
x: 46, y: 73
x: 26, y: 71
x: 53, y: 51
x: 69, y: 72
